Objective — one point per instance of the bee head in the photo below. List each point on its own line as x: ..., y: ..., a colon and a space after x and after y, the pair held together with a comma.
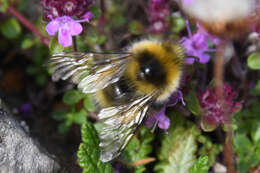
x: 155, y: 66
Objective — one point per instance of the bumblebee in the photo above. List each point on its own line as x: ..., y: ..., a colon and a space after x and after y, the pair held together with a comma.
x: 127, y: 86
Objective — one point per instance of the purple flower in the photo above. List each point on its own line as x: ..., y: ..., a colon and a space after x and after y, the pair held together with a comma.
x: 196, y: 45
x: 160, y: 118
x: 66, y: 28
x: 87, y: 16
x: 217, y: 111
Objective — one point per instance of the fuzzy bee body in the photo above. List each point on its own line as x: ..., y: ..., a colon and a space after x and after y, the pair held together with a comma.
x: 127, y: 86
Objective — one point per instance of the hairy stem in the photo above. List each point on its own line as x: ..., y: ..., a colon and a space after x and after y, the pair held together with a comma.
x: 228, y: 151
x: 218, y: 79
x: 28, y: 25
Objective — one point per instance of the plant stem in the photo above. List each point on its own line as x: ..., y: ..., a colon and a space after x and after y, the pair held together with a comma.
x: 102, y: 17
x: 28, y: 25
x: 74, y: 43
x: 228, y: 151
x: 218, y: 79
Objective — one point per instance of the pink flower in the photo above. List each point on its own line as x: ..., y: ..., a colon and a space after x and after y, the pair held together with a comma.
x: 66, y: 28
x: 58, y: 8
x: 157, y: 11
x: 217, y: 111
x: 160, y: 118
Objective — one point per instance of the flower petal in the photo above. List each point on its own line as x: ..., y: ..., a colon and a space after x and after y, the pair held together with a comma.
x: 87, y: 16
x: 75, y: 28
x: 52, y: 27
x: 204, y: 58
x: 64, y: 37
x: 164, y: 122
x: 189, y: 60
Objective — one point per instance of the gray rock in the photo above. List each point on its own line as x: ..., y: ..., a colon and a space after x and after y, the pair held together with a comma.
x: 19, y: 153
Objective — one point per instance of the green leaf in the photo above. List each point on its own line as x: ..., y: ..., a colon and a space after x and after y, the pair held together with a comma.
x: 89, y: 103
x: 193, y: 103
x: 177, y: 153
x: 209, y: 148
x: 178, y: 24
x: 72, y: 97
x: 253, y: 61
x: 11, y: 28
x: 96, y: 11
x: 201, y: 165
x: 207, y: 126
x: 118, y: 20
x: 59, y: 115
x: 79, y: 117
x: 256, y: 90
x: 27, y: 43
x: 139, y: 148
x: 135, y: 28
x: 247, y: 138
x: 63, y: 127
x: 89, y: 151
x: 3, y: 6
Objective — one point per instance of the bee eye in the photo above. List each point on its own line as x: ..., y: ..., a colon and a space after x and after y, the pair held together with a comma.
x: 151, y: 71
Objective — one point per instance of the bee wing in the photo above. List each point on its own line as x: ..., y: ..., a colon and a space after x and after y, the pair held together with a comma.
x: 120, y: 125
x: 91, y: 71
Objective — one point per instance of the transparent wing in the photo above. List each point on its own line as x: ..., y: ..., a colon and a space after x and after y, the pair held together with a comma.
x: 120, y: 125
x: 91, y: 71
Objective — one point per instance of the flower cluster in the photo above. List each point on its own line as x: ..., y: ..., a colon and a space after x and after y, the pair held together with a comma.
x: 157, y: 12
x: 160, y: 118
x: 60, y: 13
x: 59, y: 8
x: 196, y: 45
x: 218, y: 111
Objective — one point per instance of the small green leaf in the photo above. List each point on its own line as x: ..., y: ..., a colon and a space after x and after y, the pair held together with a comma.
x: 96, y: 11
x: 253, y: 61
x: 27, y: 43
x: 256, y: 90
x: 193, y: 103
x: 63, y: 127
x: 89, y: 151
x: 209, y: 148
x: 3, y: 6
x: 201, y: 165
x: 118, y: 20
x: 11, y: 28
x: 101, y: 39
x: 135, y: 28
x: 59, y: 115
x: 178, y: 24
x: 72, y: 97
x: 207, y: 126
x: 139, y: 148
x: 89, y: 103
x: 79, y: 117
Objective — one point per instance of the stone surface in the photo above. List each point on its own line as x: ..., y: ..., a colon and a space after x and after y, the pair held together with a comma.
x: 19, y: 153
